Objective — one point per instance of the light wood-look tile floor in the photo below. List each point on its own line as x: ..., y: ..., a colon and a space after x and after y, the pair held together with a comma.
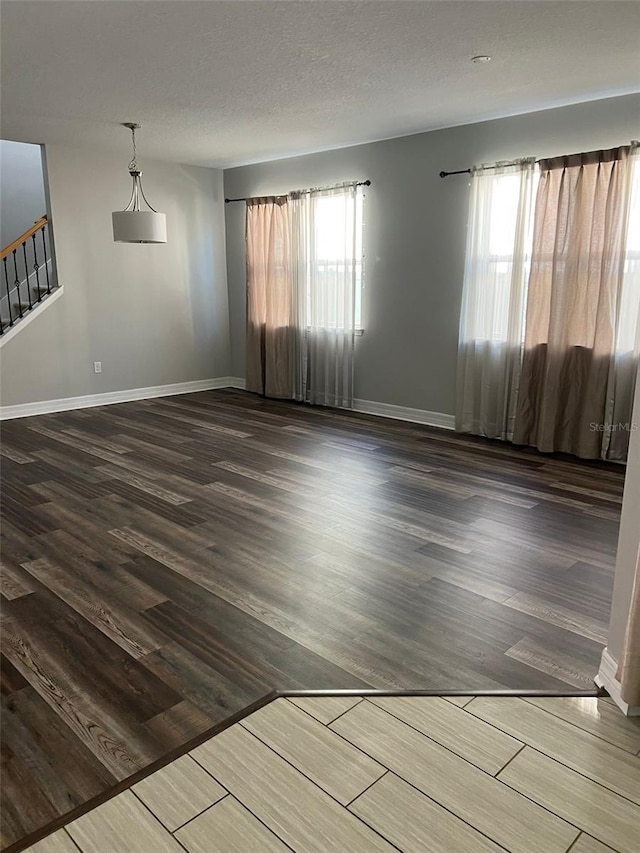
x: 362, y: 775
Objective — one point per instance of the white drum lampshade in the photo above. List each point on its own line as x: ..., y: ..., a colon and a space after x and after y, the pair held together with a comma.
x: 139, y: 226
x: 134, y: 224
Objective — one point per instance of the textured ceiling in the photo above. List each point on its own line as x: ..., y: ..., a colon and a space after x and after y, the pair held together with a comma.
x: 225, y: 83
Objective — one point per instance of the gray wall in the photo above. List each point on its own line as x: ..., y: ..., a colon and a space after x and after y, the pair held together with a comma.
x: 153, y: 315
x: 22, y: 197
x: 157, y: 315
x: 415, y: 235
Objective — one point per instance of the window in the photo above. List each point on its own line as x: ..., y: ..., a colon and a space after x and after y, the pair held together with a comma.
x: 336, y: 254
x: 500, y: 260
x: 630, y: 296
x: 502, y: 207
x: 498, y: 255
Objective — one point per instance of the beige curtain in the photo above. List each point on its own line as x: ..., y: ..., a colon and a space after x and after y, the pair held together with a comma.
x: 574, y: 289
x: 629, y: 665
x: 270, y: 301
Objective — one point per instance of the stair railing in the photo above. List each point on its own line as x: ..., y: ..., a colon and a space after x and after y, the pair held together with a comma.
x: 14, y: 262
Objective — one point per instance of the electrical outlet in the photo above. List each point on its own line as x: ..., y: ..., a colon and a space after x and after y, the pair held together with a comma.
x: 97, y: 367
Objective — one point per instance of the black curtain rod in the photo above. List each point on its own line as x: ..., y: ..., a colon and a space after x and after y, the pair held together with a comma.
x: 634, y: 142
x: 479, y: 169
x: 366, y: 183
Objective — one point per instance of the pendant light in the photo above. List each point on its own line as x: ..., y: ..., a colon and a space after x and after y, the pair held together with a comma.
x: 133, y: 224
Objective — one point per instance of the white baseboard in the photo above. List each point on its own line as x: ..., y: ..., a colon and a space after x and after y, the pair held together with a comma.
x: 403, y: 413
x: 606, y: 678
x: 237, y: 382
x: 386, y: 410
x: 44, y: 407
x: 25, y: 410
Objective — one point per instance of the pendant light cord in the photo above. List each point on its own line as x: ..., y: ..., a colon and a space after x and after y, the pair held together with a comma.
x: 133, y: 165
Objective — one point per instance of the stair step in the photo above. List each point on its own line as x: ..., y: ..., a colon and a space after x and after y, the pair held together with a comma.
x: 15, y: 308
x: 34, y: 301
x: 34, y: 292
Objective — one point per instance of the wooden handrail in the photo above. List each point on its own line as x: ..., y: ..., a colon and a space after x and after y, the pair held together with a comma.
x: 21, y: 239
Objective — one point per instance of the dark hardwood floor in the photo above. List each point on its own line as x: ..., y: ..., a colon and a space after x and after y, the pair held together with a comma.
x: 168, y: 562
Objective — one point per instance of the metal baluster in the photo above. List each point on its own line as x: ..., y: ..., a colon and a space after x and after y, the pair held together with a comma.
x: 26, y: 272
x: 17, y: 283
x: 6, y: 282
x: 46, y: 259
x: 35, y: 262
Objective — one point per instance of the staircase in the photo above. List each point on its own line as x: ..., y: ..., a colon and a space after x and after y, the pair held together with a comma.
x: 27, y: 274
